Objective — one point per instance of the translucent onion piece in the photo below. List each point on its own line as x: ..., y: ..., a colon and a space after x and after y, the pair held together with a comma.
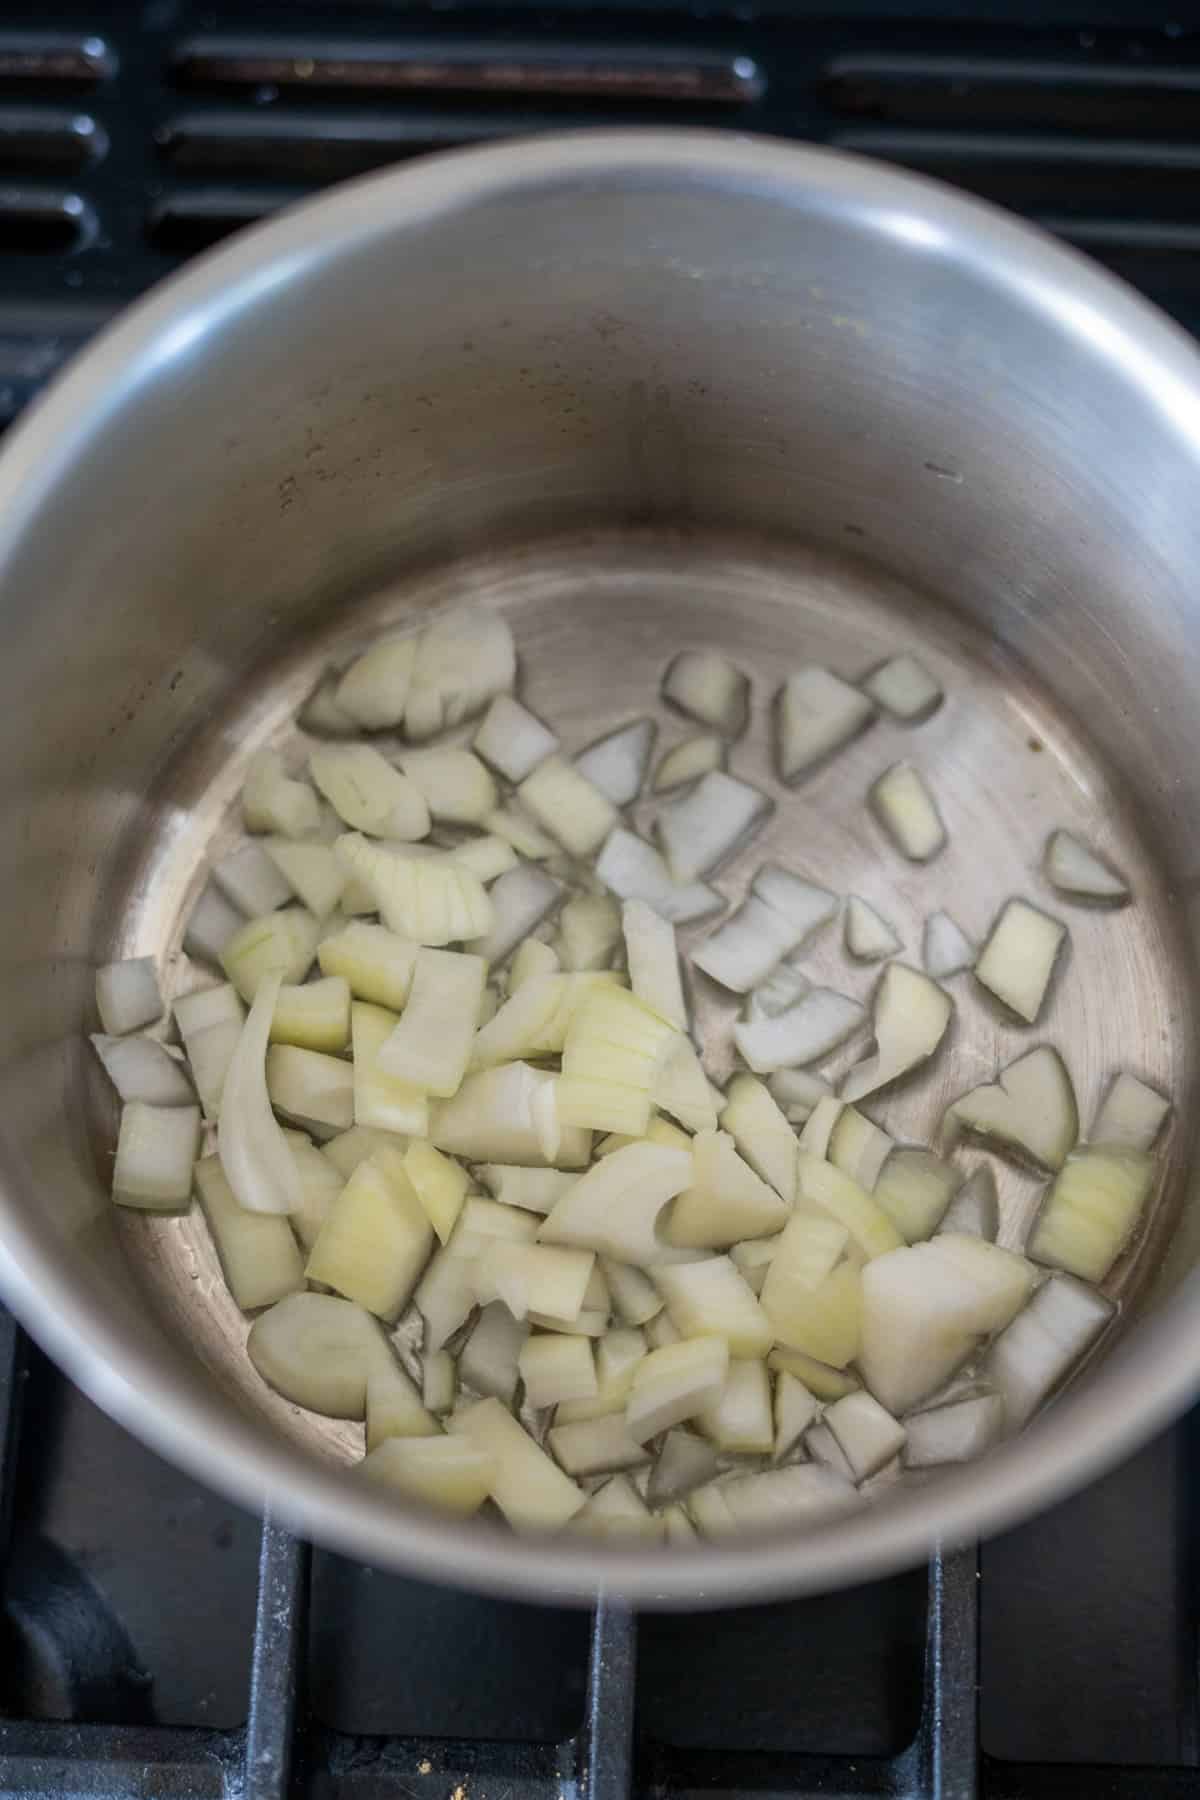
x: 738, y: 1421
x: 683, y: 1090
x: 795, y: 1409
x: 313, y: 1089
x: 442, y: 1472
x: 778, y: 1499
x: 376, y: 1239
x: 520, y: 900
x: 684, y: 1462
x: 456, y: 786
x: 614, y: 1052
x: 274, y: 801
x: 654, y: 973
x: 868, y: 936
x: 575, y: 813
x: 726, y: 1201
x: 259, y: 1256
x: 311, y: 871
x: 1018, y: 958
x: 316, y: 1350
x: 617, y: 1511
x: 534, y: 1021
x: 915, y: 1188
x: 706, y: 686
x: 808, y: 1031
x: 428, y: 900
x: 635, y: 1298
x: 535, y: 1279
x: 796, y: 1092
x: 313, y: 1017
x: 634, y: 870
x: 905, y: 688
x: 530, y: 1491
x: 518, y: 829
x: 811, y: 1298
x: 556, y: 1368
x: 513, y: 740
x: 320, y: 1183
x: 975, y: 1209
x: 704, y: 827
x: 742, y: 952
x: 461, y: 662
x: 816, y: 714
x: 439, y: 1184
x: 533, y: 958
x: 1030, y: 1108
x: 782, y: 988
x: 1131, y: 1117
x: 374, y: 689
x: 368, y: 793
x: 911, y: 1014
x: 321, y: 713
x: 279, y: 943
x: 1074, y: 869
x: 954, y: 1434
x: 762, y: 1134
x: 818, y: 1127
x: 211, y: 924
x: 945, y: 949
x: 711, y: 1299
x: 905, y: 808
x: 617, y: 1352
x: 250, y: 878
x: 127, y: 995
x: 589, y: 930
x: 1043, y: 1343
x: 674, y: 1384
x: 439, y: 1380
x: 491, y: 1119
x: 156, y: 1147
x: 824, y: 1449
x: 858, y: 1147
x: 595, y: 1446
x: 210, y: 1024
x: 431, y: 1043
x: 486, y: 857
x: 617, y: 764
x: 490, y: 1360
x: 678, y: 1529
x: 348, y: 1148
x: 380, y: 1099
x: 753, y: 1257
x: 826, y: 1188
x: 613, y: 1209
x: 258, y: 1164
x: 141, y: 1069
x: 376, y: 963
x: 825, y: 1382
x: 1092, y: 1211
x: 867, y: 1434
x: 688, y: 761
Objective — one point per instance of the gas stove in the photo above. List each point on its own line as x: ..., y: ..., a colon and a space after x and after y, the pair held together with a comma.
x: 155, y: 1641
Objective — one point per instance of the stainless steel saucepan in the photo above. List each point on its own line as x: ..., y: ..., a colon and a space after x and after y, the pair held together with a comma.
x: 640, y: 390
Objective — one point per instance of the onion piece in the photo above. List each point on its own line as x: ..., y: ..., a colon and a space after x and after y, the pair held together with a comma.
x: 320, y: 1184
x: 905, y: 808
x: 430, y: 1044
x: 867, y: 1434
x: 315, y: 1090
x: 859, y: 1148
x: 518, y: 829
x: 738, y: 1420
x: 1092, y: 1211
x: 381, y: 1099
x: 535, y: 1279
x: 368, y: 793
x: 795, y: 1409
x: 761, y: 1133
x: 868, y: 936
x: 556, y: 1368
x: 140, y: 1068
x: 654, y: 973
x: 279, y: 943
x: 211, y: 923
x: 534, y: 1190
x: 348, y: 1148
x: 430, y: 900
x: 439, y: 1381
x: 743, y: 951
x: 660, y: 1331
x: 589, y: 930
x: 311, y: 871
x: 313, y: 1017
x: 513, y: 740
x: 1043, y: 1343
x: 954, y: 1434
x: 709, y: 1509
x: 394, y: 1406
x: 434, y: 1471
x: 634, y: 870
x: 674, y: 1384
x: 806, y: 1032
x: 535, y: 1020
x: 490, y: 1357
x: 688, y: 761
x: 617, y: 764
x: 678, y: 1529
x: 945, y: 949
x: 439, y: 1184
x: 594, y: 1446
x: 377, y: 965
x: 635, y: 1298
x: 618, y: 1354
x: 492, y: 1119
x: 684, y: 1461
x: 825, y: 1382
x: 445, y: 1296
x: 258, y: 1164
x: 274, y: 801
x: 210, y: 1024
x: 753, y: 1257
x: 1018, y: 958
x: 826, y: 1188
x: 614, y: 1053
x: 704, y: 827
x: 915, y: 1188
x: 456, y: 786
x: 613, y: 1209
x: 127, y: 995
x: 376, y: 1239
x: 532, y: 959
x: 531, y: 1492
x: 816, y: 713
x: 975, y: 1209
x: 520, y: 900
x: 775, y: 1499
x: 911, y: 1014
x: 374, y: 689
x: 322, y: 715
x: 571, y: 808
x: 726, y: 1200
x: 461, y: 662
x: 781, y: 990
x: 796, y: 1092
x: 486, y: 857
x: 250, y: 878
x: 258, y: 1254
x: 810, y: 1296
x: 1131, y: 1116
x: 617, y: 1511
x: 683, y: 1089
x: 1030, y: 1108
x: 706, y: 686
x: 711, y: 1299
x: 316, y: 1350
x: 824, y: 1449
x: 1075, y: 870
x: 905, y: 688
x: 818, y: 1127
x: 156, y: 1148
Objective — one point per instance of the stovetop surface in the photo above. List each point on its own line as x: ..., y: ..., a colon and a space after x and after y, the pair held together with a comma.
x: 132, y: 136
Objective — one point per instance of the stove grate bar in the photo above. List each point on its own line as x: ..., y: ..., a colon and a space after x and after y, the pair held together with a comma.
x: 605, y: 1747
x: 276, y: 1672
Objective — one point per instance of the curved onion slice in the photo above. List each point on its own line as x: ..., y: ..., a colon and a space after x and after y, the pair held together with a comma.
x: 614, y: 1208
x: 910, y: 1019
x: 368, y: 793
x: 1074, y: 869
x: 254, y: 1153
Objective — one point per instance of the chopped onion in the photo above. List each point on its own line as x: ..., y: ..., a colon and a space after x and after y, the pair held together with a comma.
x: 258, y: 1254
x: 394, y: 1406
x: 614, y: 1053
x: 534, y: 1190
x: 461, y: 662
x: 156, y: 1147
x: 674, y: 1384
x: 816, y: 714
x: 439, y: 1183
x: 618, y: 1354
x: 809, y: 1030
x: 556, y: 1368
x: 316, y: 1351
x: 684, y: 1462
x: 867, y: 1434
x: 140, y: 1068
x: 617, y: 763
x: 316, y: 1091
x: 905, y: 688
x: 1074, y: 869
x: 439, y: 1380
x: 279, y: 943
x: 381, y: 1099
x: 660, y: 1331
x: 711, y: 1299
x: 320, y: 1184
x: 430, y: 900
x: 456, y: 786
x: 796, y: 1092
x: 321, y: 713
x: 738, y: 1421
x: 803, y: 1493
x: 635, y: 1298
x: 706, y: 686
x: 868, y: 936
x: 373, y: 691
x: 541, y: 1279
x: 726, y: 1200
x: 210, y: 1024
x: 634, y: 870
x: 762, y: 1134
x: 825, y: 1450
x: 441, y: 1472
x: 1030, y: 1108
x: 975, y: 1210
x: 368, y: 793
x: 258, y: 1164
x: 678, y: 1528
x: 513, y: 740
x: 613, y: 1209
x: 518, y: 829
x: 822, y: 1186
x: 1018, y: 958
x: 782, y: 988
x: 520, y: 900
x: 1131, y: 1117
x: 272, y: 800
x: 654, y: 973
x: 534, y: 1021
x: 211, y: 924
x: 589, y: 930
x: 376, y: 1238
x: 810, y: 1296
x: 795, y: 1409
x: 704, y: 827
x: 945, y: 949
x: 594, y: 1446
x: 249, y: 878
x: 530, y: 1491
x: 377, y: 965
x: 683, y: 1090
x: 348, y: 1148
x: 905, y: 808
x: 688, y: 761
x: 127, y: 995
x: 915, y: 1188
x: 572, y: 809
x: 818, y: 1127
x: 753, y: 1258
x: 486, y: 857
x: 825, y: 1382
x: 311, y: 871
x: 491, y: 1119
x: 1043, y: 1343
x: 954, y: 1434
x: 859, y: 1148
x: 313, y: 1017
x: 618, y: 1511
x: 1092, y: 1211
x: 911, y: 1014
x: 445, y: 1295
x: 743, y: 951
x: 490, y: 1360
x: 431, y: 1042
